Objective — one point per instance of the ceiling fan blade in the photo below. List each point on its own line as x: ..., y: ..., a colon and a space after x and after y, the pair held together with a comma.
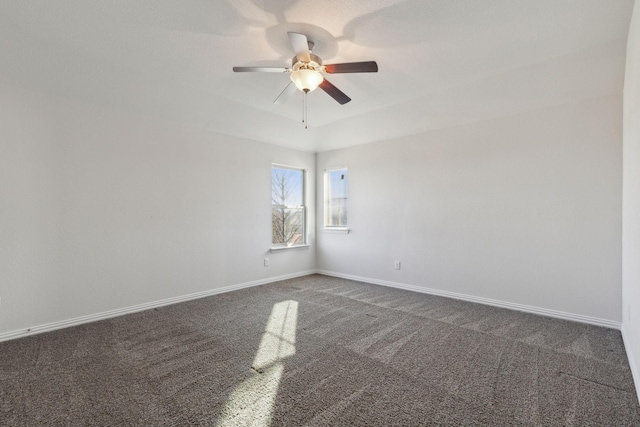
x: 353, y: 67
x: 300, y: 46
x: 260, y: 70
x: 285, y: 94
x: 334, y: 92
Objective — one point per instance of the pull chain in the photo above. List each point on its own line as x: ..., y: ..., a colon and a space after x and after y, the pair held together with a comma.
x: 306, y: 118
x: 304, y: 108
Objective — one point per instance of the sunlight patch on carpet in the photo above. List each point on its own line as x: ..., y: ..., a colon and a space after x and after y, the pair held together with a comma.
x: 252, y: 401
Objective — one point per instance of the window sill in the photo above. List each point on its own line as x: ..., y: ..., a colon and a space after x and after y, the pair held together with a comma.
x: 288, y: 248
x: 339, y: 230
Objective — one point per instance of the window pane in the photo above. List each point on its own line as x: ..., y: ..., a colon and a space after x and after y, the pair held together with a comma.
x: 336, y: 196
x: 287, y: 226
x: 286, y: 187
x: 287, y: 206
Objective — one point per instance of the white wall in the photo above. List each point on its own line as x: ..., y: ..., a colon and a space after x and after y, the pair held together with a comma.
x: 524, y: 209
x: 631, y: 200
x: 102, y: 210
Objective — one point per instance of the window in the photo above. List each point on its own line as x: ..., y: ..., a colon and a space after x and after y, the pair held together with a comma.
x: 335, y: 197
x: 288, y: 212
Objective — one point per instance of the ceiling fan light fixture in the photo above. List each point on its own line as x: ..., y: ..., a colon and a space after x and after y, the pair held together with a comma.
x: 306, y: 80
x: 307, y: 71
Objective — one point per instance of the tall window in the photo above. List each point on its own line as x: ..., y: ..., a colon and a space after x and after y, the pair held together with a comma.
x: 288, y: 212
x: 335, y: 197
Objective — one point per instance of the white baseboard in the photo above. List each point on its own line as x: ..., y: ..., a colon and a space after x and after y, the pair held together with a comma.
x: 496, y: 303
x: 154, y: 304
x: 140, y: 307
x: 632, y: 360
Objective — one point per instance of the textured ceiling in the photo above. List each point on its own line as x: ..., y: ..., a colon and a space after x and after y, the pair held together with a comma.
x: 442, y: 63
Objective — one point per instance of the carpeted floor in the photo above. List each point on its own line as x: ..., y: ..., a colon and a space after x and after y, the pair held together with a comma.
x: 320, y: 351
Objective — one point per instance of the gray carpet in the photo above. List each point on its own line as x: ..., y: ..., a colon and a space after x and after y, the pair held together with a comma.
x: 320, y: 351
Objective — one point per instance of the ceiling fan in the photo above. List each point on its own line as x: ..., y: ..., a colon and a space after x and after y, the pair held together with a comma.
x: 306, y: 71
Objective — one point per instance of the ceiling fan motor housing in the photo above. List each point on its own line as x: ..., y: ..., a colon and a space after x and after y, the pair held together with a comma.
x: 315, y: 63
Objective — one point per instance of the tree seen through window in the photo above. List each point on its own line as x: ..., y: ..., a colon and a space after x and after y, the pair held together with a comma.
x: 287, y: 206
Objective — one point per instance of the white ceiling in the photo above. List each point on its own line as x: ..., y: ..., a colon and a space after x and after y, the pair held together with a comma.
x: 442, y: 63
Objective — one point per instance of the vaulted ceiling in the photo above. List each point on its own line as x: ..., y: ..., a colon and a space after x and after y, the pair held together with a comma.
x: 442, y: 63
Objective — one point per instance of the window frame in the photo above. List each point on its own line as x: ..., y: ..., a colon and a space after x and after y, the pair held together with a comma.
x: 304, y: 233
x: 326, y: 206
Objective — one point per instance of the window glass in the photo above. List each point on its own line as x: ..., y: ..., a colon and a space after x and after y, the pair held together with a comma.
x: 288, y: 213
x: 336, y: 195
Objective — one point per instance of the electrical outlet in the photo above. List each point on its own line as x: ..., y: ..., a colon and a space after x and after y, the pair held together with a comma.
x: 266, y: 262
x: 396, y: 265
